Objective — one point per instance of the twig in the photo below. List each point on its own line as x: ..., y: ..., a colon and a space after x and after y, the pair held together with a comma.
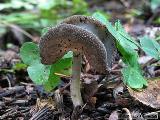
x: 19, y: 29
x: 128, y: 113
x: 148, y: 62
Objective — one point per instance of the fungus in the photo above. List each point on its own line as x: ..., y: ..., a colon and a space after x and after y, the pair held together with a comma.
x: 66, y: 37
x: 97, y: 28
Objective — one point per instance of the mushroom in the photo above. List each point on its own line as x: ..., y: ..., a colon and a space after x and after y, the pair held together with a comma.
x: 84, y: 36
x: 99, y: 29
x: 66, y: 37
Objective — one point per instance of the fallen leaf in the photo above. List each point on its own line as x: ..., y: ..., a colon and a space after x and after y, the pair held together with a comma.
x: 149, y: 96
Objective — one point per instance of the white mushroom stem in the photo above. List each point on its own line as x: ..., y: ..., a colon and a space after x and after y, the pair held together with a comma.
x: 75, y: 83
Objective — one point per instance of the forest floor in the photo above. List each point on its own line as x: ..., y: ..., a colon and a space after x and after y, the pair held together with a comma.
x: 105, y: 98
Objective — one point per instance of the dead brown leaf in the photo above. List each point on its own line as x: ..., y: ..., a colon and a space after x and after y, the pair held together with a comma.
x: 149, y: 96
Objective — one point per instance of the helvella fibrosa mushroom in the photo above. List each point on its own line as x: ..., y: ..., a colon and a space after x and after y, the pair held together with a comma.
x: 100, y: 30
x: 84, y: 36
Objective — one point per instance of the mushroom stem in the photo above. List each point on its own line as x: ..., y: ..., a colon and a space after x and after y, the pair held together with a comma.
x: 75, y: 83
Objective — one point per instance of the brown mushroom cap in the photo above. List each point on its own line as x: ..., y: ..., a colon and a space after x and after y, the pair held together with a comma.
x: 66, y: 37
x: 99, y: 29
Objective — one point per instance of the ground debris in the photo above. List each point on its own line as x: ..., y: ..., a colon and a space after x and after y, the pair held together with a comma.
x: 149, y: 96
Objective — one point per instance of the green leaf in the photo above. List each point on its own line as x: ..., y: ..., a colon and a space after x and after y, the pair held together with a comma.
x: 19, y: 66
x: 16, y: 4
x: 100, y: 17
x: 46, y: 4
x: 119, y: 33
x: 133, y: 78
x: 63, y: 67
x: 126, y: 47
x: 44, y: 74
x: 80, y: 10
x: 19, y: 17
x: 155, y: 4
x: 150, y: 47
x: 125, y: 37
x: 29, y: 53
x: 129, y: 56
x: 52, y: 82
x: 5, y: 6
x: 39, y: 73
x: 111, y: 29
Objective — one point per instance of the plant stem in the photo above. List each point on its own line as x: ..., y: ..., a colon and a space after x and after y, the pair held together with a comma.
x: 75, y: 83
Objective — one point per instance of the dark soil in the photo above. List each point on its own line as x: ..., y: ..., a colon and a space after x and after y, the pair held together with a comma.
x: 104, y: 97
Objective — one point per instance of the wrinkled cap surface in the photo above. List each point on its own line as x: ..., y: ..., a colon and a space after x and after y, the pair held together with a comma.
x: 66, y: 37
x: 99, y: 29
